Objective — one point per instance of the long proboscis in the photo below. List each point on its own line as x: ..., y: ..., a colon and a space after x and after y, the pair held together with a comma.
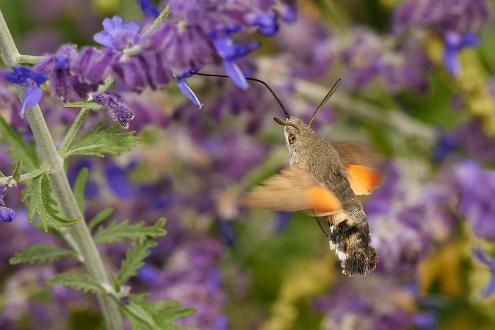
x: 325, y: 99
x: 284, y: 109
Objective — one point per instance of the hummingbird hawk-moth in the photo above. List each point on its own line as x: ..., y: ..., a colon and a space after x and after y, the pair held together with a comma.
x: 323, y: 178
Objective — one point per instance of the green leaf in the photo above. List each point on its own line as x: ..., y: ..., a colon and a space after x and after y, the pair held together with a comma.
x: 134, y: 259
x: 39, y: 200
x: 118, y: 231
x: 139, y: 317
x: 100, y: 217
x: 79, y: 185
x: 100, y: 141
x: 78, y: 281
x: 21, y: 150
x: 40, y: 253
x: 163, y: 312
x: 16, y: 175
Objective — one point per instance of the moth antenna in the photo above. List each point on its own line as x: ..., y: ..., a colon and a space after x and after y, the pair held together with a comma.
x: 284, y: 110
x: 325, y: 99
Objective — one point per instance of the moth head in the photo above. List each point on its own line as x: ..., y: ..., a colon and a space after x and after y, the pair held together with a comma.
x: 295, y: 130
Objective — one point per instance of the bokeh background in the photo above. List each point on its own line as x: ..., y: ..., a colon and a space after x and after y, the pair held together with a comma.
x: 417, y: 85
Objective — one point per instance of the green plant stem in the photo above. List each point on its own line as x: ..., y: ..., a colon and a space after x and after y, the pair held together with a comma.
x: 29, y: 59
x: 163, y: 16
x: 79, y: 232
x: 73, y: 130
x: 24, y: 177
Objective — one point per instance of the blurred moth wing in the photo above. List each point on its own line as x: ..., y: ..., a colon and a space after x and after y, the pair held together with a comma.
x: 293, y: 189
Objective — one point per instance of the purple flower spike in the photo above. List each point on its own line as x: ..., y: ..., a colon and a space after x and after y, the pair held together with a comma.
x: 490, y: 262
x: 186, y: 90
x: 116, y: 34
x: 29, y: 79
x: 118, y: 111
x: 454, y: 42
x: 265, y: 21
x: 6, y: 214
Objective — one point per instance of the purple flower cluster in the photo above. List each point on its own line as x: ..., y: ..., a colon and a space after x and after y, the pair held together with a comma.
x: 474, y: 187
x: 377, y: 303
x: 457, y: 23
x: 193, y: 278
x: 404, y: 228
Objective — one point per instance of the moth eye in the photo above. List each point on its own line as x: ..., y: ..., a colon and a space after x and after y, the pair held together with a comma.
x: 291, y: 138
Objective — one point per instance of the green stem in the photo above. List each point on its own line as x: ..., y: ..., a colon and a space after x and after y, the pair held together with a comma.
x: 24, y: 177
x: 73, y: 130
x: 163, y: 16
x: 81, y: 116
x: 29, y: 59
x: 79, y: 232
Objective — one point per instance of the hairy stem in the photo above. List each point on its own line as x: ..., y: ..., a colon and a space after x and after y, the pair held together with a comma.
x: 79, y: 232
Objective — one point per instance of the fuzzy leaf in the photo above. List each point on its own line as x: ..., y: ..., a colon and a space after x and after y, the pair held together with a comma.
x: 100, y: 141
x: 118, y: 231
x: 16, y: 175
x: 134, y: 259
x: 78, y: 281
x: 39, y: 200
x: 21, y: 150
x: 40, y: 253
x: 79, y: 186
x: 100, y: 217
x: 163, y: 312
x: 139, y: 317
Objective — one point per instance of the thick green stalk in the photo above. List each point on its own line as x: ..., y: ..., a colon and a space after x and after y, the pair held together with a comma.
x: 79, y: 232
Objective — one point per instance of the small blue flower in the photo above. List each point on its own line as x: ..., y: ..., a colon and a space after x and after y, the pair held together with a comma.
x: 118, y: 181
x: 116, y: 34
x: 229, y: 51
x: 454, y: 42
x: 31, y: 81
x: 490, y: 262
x: 6, y: 214
x: 148, y: 8
x: 186, y: 90
x: 265, y: 21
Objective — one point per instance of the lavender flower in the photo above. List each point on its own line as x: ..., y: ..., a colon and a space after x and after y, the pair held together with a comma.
x: 118, y: 111
x: 475, y: 187
x: 116, y: 34
x: 92, y: 66
x: 193, y: 278
x: 58, y: 69
x: 442, y: 16
x: 456, y: 22
x: 366, y: 305
x: 471, y: 138
x: 490, y: 262
x: 31, y: 81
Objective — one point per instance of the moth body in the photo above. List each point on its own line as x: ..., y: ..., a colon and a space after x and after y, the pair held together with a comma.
x: 348, y: 230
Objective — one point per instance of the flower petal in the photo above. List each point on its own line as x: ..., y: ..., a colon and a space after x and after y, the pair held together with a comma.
x: 187, y: 91
x: 235, y: 73
x: 32, y: 96
x: 451, y: 60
